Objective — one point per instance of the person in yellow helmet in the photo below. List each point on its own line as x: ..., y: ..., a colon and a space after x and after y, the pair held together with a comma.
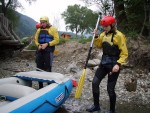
x: 46, y: 37
x: 113, y: 44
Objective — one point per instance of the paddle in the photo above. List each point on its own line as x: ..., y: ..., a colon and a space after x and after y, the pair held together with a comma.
x: 82, y: 77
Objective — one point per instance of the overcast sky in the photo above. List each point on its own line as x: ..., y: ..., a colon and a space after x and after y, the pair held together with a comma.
x: 51, y: 8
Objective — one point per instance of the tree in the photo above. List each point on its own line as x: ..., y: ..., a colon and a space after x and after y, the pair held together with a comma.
x: 120, y: 14
x: 146, y: 24
x: 106, y: 7
x: 133, y: 16
x: 11, y: 4
x: 8, y: 8
x: 78, y: 19
x: 138, y: 13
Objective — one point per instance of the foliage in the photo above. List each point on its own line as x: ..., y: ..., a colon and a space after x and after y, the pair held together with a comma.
x: 84, y: 40
x: 20, y: 22
x: 11, y: 4
x: 61, y: 41
x: 134, y: 17
x: 26, y: 41
x: 11, y: 15
x: 133, y: 34
x: 26, y: 26
x: 105, y: 6
x: 78, y: 18
x: 32, y: 47
x: 131, y: 15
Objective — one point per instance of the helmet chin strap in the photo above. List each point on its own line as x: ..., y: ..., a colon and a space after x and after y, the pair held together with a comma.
x: 112, y: 26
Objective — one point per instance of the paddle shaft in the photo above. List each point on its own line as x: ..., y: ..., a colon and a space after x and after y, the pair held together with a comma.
x: 91, y: 45
x: 82, y: 77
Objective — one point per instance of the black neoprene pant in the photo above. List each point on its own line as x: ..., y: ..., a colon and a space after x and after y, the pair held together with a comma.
x: 44, y: 61
x: 112, y: 79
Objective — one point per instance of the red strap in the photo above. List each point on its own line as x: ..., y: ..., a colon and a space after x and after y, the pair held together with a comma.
x: 74, y: 83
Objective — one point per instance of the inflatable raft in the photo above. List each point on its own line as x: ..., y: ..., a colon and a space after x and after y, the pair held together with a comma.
x: 17, y: 95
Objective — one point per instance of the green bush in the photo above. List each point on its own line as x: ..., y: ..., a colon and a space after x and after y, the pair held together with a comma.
x: 133, y: 34
x: 61, y: 41
x: 32, y: 47
x: 26, y: 41
x: 84, y: 40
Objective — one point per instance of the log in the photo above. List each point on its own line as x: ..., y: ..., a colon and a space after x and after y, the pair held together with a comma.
x: 2, y: 31
x: 5, y: 38
x: 7, y: 35
x: 8, y: 32
x: 9, y: 42
x: 4, y: 20
x: 16, y: 37
x: 13, y: 70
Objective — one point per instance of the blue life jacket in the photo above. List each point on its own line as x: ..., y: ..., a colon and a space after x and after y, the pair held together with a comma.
x: 45, y: 37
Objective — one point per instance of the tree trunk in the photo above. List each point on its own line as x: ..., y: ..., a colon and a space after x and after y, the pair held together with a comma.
x: 5, y: 6
x: 120, y: 14
x: 146, y: 30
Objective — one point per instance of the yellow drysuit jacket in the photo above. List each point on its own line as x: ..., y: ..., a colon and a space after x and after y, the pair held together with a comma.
x: 119, y: 39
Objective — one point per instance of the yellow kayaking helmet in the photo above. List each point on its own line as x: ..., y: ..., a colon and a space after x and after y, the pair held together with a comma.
x: 44, y: 18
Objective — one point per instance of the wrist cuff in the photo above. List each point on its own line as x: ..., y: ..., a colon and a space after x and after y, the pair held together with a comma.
x: 119, y: 64
x: 96, y: 36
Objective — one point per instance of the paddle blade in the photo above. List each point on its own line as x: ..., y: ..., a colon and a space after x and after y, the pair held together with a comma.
x: 56, y: 53
x: 80, y: 85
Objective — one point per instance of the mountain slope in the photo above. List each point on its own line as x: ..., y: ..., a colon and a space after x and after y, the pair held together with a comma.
x: 26, y: 26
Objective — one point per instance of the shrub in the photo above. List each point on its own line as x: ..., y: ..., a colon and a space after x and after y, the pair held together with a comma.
x: 133, y: 34
x: 61, y: 41
x: 84, y: 40
x: 26, y: 41
x: 32, y: 47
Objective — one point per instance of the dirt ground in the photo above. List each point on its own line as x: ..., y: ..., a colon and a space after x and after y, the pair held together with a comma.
x: 139, y: 57
x: 74, y: 52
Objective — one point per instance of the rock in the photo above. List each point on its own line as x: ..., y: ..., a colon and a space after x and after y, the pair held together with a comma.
x: 28, y: 54
x: 94, y: 62
x: 131, y: 84
x: 72, y: 68
x: 72, y: 57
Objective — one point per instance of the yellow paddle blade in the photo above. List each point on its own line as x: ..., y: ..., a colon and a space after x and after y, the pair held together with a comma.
x: 80, y: 85
x: 56, y: 53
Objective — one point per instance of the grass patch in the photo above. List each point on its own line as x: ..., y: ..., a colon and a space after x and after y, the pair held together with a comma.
x: 84, y: 40
x: 62, y: 41
x: 32, y: 47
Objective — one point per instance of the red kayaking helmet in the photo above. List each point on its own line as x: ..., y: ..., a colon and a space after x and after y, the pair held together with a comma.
x: 107, y: 20
x: 38, y: 25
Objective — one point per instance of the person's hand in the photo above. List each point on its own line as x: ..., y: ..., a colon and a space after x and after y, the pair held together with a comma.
x: 40, y: 47
x: 95, y: 32
x: 115, y: 69
x: 44, y: 45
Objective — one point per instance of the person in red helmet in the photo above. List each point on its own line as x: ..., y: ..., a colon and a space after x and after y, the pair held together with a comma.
x: 115, y: 53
